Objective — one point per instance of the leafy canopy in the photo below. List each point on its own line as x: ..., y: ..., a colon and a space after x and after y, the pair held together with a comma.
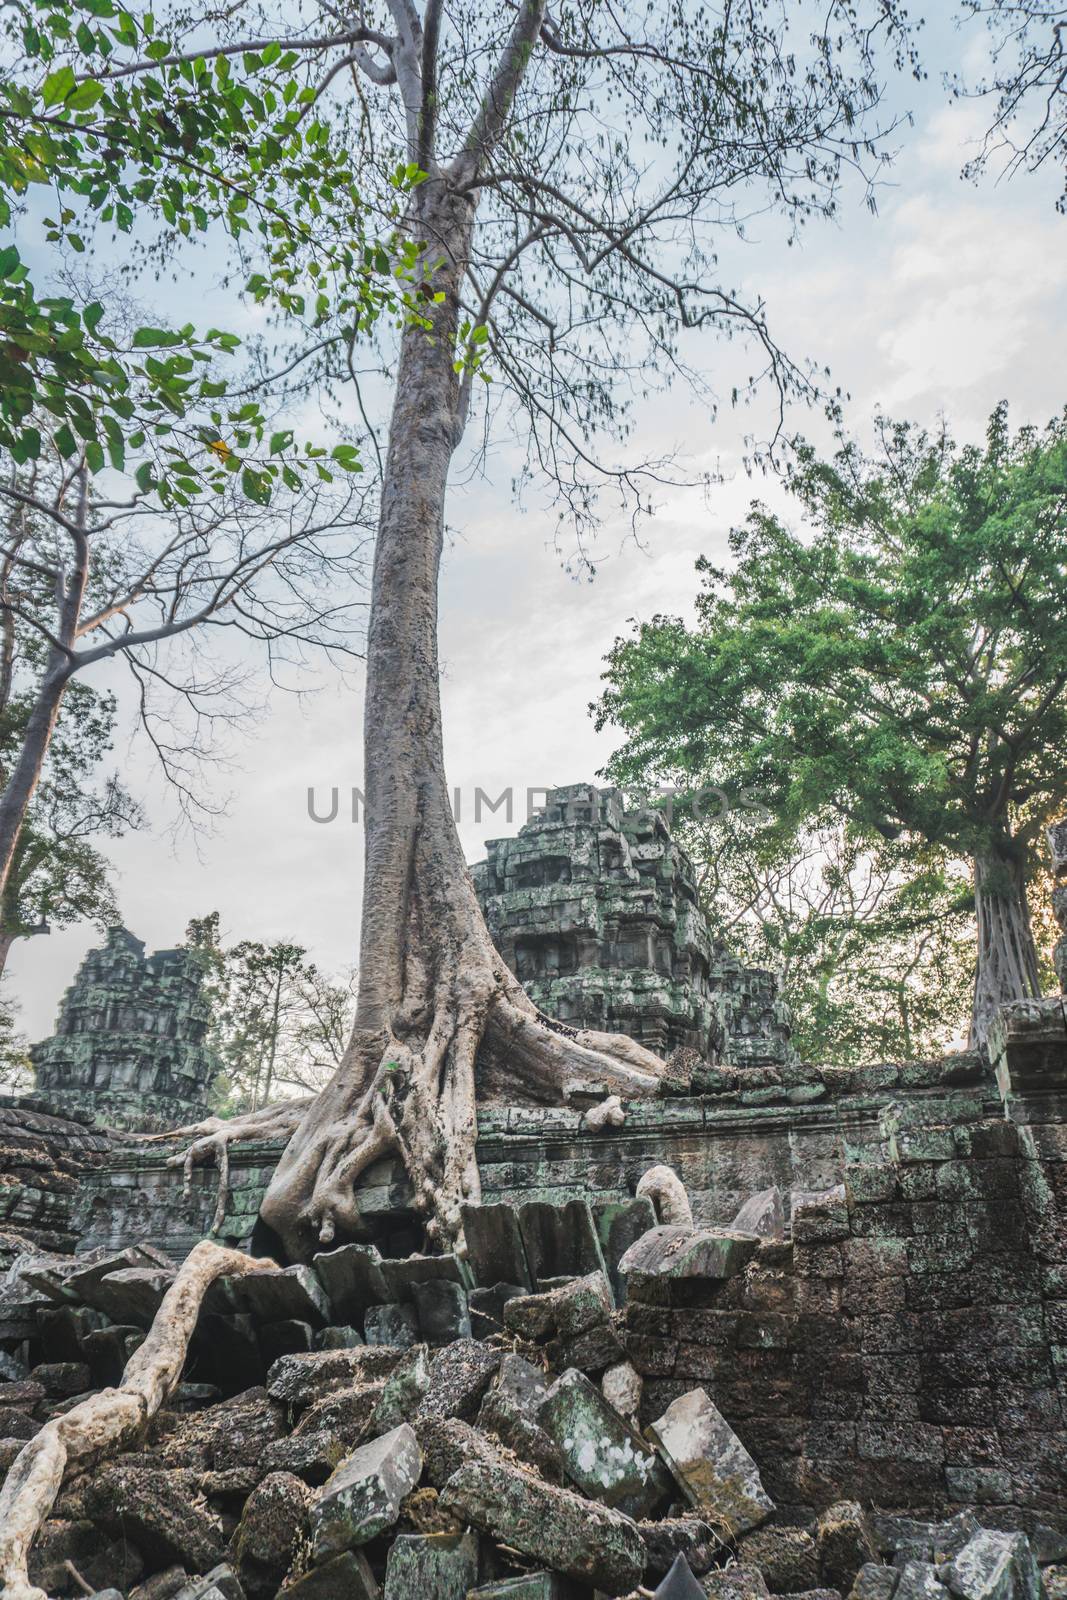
x: 902, y: 666
x: 124, y: 132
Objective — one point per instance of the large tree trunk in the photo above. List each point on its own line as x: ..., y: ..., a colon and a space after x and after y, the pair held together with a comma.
x: 25, y: 775
x: 433, y: 992
x: 1007, y: 957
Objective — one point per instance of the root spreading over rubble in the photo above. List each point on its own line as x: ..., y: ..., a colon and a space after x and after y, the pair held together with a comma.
x: 104, y: 1422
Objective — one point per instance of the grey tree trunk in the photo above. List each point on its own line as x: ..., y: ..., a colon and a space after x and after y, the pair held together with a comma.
x: 433, y: 991
x: 25, y: 775
x: 1006, y: 966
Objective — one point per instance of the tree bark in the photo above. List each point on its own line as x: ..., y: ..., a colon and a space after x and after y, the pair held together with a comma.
x: 25, y: 775
x: 434, y: 993
x: 1006, y: 967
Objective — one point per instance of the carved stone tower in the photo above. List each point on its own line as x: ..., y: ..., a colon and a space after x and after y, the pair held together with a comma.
x: 594, y: 908
x: 129, y: 1048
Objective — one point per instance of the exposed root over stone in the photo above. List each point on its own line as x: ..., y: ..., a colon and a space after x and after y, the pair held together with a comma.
x: 669, y: 1196
x: 212, y: 1138
x: 106, y: 1421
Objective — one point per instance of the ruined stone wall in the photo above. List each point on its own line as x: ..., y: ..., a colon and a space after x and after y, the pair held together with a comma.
x: 909, y: 1347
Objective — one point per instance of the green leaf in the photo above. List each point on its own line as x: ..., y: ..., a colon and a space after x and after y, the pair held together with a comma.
x: 94, y: 456
x: 144, y: 477
x: 151, y: 338
x: 116, y: 445
x: 66, y: 443
x: 58, y: 85
x: 85, y: 95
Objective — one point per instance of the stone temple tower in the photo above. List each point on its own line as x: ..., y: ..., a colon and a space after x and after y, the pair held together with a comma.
x: 594, y: 908
x: 128, y: 1050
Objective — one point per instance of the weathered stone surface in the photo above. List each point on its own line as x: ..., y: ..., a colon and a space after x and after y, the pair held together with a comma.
x: 675, y: 1252
x: 712, y: 1466
x: 286, y: 1338
x: 874, y: 1582
x: 601, y: 1453
x: 738, y: 1581
x: 362, y: 1498
x: 345, y: 1577
x: 403, y: 1392
x: 326, y: 1433
x: 423, y: 1511
x: 99, y: 1560
x: 994, y: 1566
x: 448, y: 1444
x: 301, y: 1379
x: 622, y: 1387
x: 572, y: 1535
x: 560, y: 1241
x: 527, y: 1586
x: 431, y: 1566
x: 339, y: 1336
x: 235, y: 1433
x: 460, y: 1373
x: 919, y: 1580
x: 787, y: 1557
x: 403, y: 1273
x: 442, y: 1311
x: 525, y: 1383
x: 501, y: 1414
x: 486, y: 1307
x: 531, y: 1316
x: 845, y: 1543
x: 157, y: 1510
x: 691, y: 1537
x: 762, y: 1214
x: 290, y: 1294
x: 352, y: 1278
x: 495, y: 1251
x: 61, y: 1379
x: 914, y: 1539
x: 221, y: 1583
x: 273, y: 1524
x: 619, y: 1224
x: 391, y: 1324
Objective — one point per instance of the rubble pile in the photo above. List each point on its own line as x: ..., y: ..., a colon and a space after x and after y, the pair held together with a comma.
x: 432, y: 1428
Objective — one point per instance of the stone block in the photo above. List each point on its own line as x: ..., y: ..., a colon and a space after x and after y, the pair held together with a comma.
x: 431, y: 1566
x: 762, y: 1214
x: 739, y: 1581
x: 619, y: 1224
x: 560, y: 1241
x: 338, y: 1337
x: 527, y: 1586
x: 442, y: 1311
x: 486, y: 1308
x: 352, y: 1278
x: 919, y: 1580
x: 874, y: 1582
x: 460, y: 1373
x: 495, y: 1251
x: 670, y: 1537
x: 786, y: 1556
x: 301, y: 1379
x: 601, y: 1453
x: 511, y: 1422
x: 402, y: 1274
x: 362, y: 1498
x: 680, y: 1253
x: 713, y: 1469
x: 221, y: 1583
x: 345, y: 1577
x: 391, y: 1324
x: 273, y: 1525
x: 288, y: 1294
x: 994, y: 1566
x: 127, y: 1295
x: 845, y: 1542
x: 284, y: 1339
x: 576, y: 1537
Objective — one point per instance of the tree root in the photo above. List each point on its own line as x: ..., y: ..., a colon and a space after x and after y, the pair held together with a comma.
x: 670, y: 1199
x: 106, y: 1421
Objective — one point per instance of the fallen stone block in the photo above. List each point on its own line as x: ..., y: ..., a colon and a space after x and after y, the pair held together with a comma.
x: 919, y: 1580
x: 571, y: 1535
x: 352, y: 1278
x: 129, y: 1294
x: 448, y: 1444
x: 338, y: 1336
x: 601, y: 1452
x: 874, y: 1582
x: 403, y: 1392
x: 345, y: 1577
x: 289, y: 1294
x: 501, y: 1414
x: 712, y: 1467
x: 560, y: 1241
x: 460, y: 1373
x: 845, y: 1542
x: 739, y: 1581
x: 675, y: 1252
x: 273, y: 1525
x: 622, y: 1387
x: 690, y: 1537
x: 362, y: 1498
x: 61, y: 1379
x: 525, y: 1383
x: 786, y: 1556
x: 301, y: 1379
x: 526, y: 1586
x: 762, y: 1214
x: 486, y: 1308
x: 159, y: 1511
x: 913, y: 1539
x: 619, y: 1224
x: 994, y: 1566
x: 391, y: 1324
x: 401, y: 1275
x: 284, y: 1339
x: 431, y: 1566
x: 442, y: 1311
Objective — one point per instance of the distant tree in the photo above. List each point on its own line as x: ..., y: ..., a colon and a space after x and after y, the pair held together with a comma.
x: 902, y: 669
x: 281, y: 1025
x: 873, y: 943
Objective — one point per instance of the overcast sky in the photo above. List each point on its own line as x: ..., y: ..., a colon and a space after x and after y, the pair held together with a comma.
x: 949, y: 299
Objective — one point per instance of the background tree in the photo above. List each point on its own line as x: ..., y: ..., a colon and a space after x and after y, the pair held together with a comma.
x: 90, y: 581
x: 902, y: 669
x: 874, y: 943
